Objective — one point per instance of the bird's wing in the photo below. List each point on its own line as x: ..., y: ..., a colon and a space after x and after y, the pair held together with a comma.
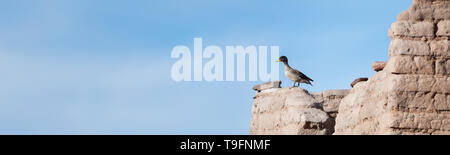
x: 301, y: 75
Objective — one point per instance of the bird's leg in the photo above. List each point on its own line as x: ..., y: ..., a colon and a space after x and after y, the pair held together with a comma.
x: 298, y: 84
x: 294, y: 85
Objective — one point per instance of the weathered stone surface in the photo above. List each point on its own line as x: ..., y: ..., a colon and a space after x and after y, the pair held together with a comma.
x: 309, y: 121
x: 378, y: 65
x: 335, y: 93
x: 411, y: 65
x: 420, y: 122
x: 442, y: 12
x: 358, y: 80
x: 268, y: 85
x: 422, y: 83
x: 443, y: 66
x: 418, y: 101
x: 332, y: 99
x: 441, y: 102
x: 411, y: 95
x: 302, y: 101
x: 426, y: 10
x: 443, y: 28
x: 289, y: 111
x: 363, y: 110
x: 408, y: 47
x: 440, y: 48
x: 412, y: 29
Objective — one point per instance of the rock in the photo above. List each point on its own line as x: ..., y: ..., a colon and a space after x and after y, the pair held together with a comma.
x: 332, y: 100
x: 411, y: 65
x: 440, y: 48
x: 411, y: 95
x: 302, y: 101
x: 378, y: 65
x: 362, y: 111
x: 308, y: 121
x: 443, y: 28
x: 335, y: 93
x: 399, y: 47
x: 289, y: 111
x: 358, y: 80
x: 412, y: 29
x: 268, y: 85
x: 422, y: 10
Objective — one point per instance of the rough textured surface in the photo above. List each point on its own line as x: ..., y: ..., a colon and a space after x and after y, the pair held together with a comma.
x: 426, y: 10
x: 268, y: 85
x: 358, y: 80
x: 409, y: 95
x: 330, y: 100
x: 290, y: 111
x: 412, y: 94
x: 295, y: 111
x: 363, y: 110
x: 443, y: 28
x: 378, y: 65
x: 412, y: 29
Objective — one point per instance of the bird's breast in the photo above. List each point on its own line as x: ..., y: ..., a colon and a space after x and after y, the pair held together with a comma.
x: 290, y: 75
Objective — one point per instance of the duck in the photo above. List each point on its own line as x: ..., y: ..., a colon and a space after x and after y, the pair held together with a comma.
x: 293, y: 74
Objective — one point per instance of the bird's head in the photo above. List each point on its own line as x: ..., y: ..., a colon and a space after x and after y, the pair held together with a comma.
x: 283, y: 59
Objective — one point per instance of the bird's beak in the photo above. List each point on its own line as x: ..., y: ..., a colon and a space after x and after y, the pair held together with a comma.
x: 278, y: 61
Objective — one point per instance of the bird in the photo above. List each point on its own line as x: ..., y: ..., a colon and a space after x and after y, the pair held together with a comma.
x: 293, y: 74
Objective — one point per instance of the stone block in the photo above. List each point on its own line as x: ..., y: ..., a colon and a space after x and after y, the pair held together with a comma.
x: 412, y: 29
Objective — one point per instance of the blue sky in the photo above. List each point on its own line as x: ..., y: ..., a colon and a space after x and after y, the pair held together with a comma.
x: 103, y: 66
